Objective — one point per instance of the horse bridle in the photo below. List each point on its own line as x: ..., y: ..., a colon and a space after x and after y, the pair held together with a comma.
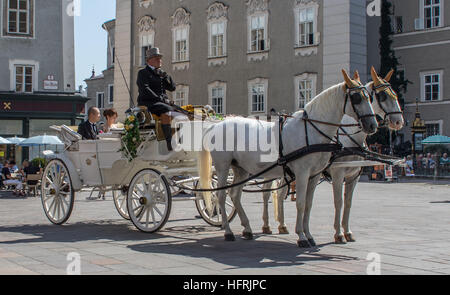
x: 361, y: 91
x: 376, y: 91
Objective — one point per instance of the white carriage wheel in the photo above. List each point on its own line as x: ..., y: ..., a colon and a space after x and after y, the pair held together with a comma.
x: 149, y: 200
x: 57, y: 193
x: 215, y: 218
x: 120, y: 201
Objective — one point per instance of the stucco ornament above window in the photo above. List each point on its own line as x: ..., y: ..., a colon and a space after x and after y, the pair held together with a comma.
x: 145, y: 3
x: 305, y: 2
x: 146, y: 24
x: 254, y: 6
x: 217, y: 11
x: 181, y: 17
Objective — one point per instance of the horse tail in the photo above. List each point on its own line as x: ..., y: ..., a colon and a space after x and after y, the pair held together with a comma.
x: 205, y: 174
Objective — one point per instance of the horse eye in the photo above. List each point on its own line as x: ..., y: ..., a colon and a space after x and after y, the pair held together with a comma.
x: 356, y: 98
x: 383, y: 97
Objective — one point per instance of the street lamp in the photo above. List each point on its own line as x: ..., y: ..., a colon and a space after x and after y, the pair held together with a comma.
x: 418, y: 130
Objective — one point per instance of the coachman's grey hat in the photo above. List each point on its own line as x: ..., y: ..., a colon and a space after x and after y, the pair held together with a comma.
x: 153, y: 52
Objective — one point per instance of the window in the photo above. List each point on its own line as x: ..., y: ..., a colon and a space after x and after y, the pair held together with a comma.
x: 258, y: 33
x: 258, y: 98
x: 306, y: 32
x: 305, y: 86
x: 306, y: 93
x: 217, y: 19
x: 257, y: 95
x: 146, y: 28
x: 113, y: 58
x: 431, y: 86
x: 18, y: 16
x: 306, y: 27
x: 181, y: 44
x: 217, y: 39
x: 24, y: 79
x: 100, y: 100
x: 111, y: 94
x: 180, y: 35
x: 397, y: 25
x: 433, y: 129
x: 432, y: 13
x: 146, y: 44
x: 181, y: 96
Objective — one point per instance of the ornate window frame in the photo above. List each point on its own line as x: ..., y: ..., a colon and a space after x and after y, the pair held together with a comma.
x: 306, y: 50
x: 255, y: 82
x: 304, y: 77
x: 257, y: 8
x: 180, y: 21
x: 146, y: 28
x: 217, y: 13
x: 218, y: 84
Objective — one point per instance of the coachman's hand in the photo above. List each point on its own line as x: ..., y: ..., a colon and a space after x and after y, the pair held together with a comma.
x: 162, y: 74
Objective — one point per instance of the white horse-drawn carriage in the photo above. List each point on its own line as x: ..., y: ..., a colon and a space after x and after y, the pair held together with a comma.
x: 141, y: 187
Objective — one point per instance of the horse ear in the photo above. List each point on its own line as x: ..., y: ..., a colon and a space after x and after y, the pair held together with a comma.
x: 347, y: 79
x: 389, y: 75
x: 375, y: 78
x: 356, y: 76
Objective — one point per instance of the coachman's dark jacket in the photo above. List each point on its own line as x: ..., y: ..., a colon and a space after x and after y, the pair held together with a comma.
x: 152, y: 87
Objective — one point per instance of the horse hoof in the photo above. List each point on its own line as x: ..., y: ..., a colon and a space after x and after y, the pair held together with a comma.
x: 283, y: 230
x: 230, y: 238
x: 312, y: 242
x: 266, y: 230
x: 349, y: 238
x: 339, y: 240
x: 303, y: 244
x: 247, y: 236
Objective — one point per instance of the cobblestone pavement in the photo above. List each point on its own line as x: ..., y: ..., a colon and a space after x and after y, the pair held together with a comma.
x: 407, y: 224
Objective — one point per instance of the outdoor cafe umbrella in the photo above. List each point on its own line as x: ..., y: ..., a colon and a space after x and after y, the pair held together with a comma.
x: 436, y: 139
x: 15, y: 140
x: 42, y: 140
x: 4, y: 141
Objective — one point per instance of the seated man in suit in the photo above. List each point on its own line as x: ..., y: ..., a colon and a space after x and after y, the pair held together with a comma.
x: 88, y: 130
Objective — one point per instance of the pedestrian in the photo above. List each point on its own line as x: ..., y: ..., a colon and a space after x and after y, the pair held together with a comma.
x: 445, y: 160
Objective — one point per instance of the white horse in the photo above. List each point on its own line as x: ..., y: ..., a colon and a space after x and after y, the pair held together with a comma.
x: 385, y: 105
x: 350, y: 98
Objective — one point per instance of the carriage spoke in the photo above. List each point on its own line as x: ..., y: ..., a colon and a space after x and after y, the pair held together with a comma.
x: 147, y: 218
x: 157, y: 211
x: 65, y: 201
x: 153, y: 217
x: 63, y: 209
x: 142, y: 214
x: 137, y: 208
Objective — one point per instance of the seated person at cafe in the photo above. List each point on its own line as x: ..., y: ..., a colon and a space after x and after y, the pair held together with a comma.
x: 88, y: 130
x: 8, y: 180
x: 29, y: 168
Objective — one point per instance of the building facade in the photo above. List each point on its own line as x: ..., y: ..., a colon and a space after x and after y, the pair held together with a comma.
x: 242, y: 56
x: 100, y: 88
x: 422, y: 44
x: 37, y: 76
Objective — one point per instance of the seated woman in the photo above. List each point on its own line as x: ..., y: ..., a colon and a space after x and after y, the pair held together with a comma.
x: 111, y: 117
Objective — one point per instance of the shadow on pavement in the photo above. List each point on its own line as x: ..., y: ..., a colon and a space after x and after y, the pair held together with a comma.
x: 187, y: 241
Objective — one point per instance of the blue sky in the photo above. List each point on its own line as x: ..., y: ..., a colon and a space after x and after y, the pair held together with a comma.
x: 90, y: 38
